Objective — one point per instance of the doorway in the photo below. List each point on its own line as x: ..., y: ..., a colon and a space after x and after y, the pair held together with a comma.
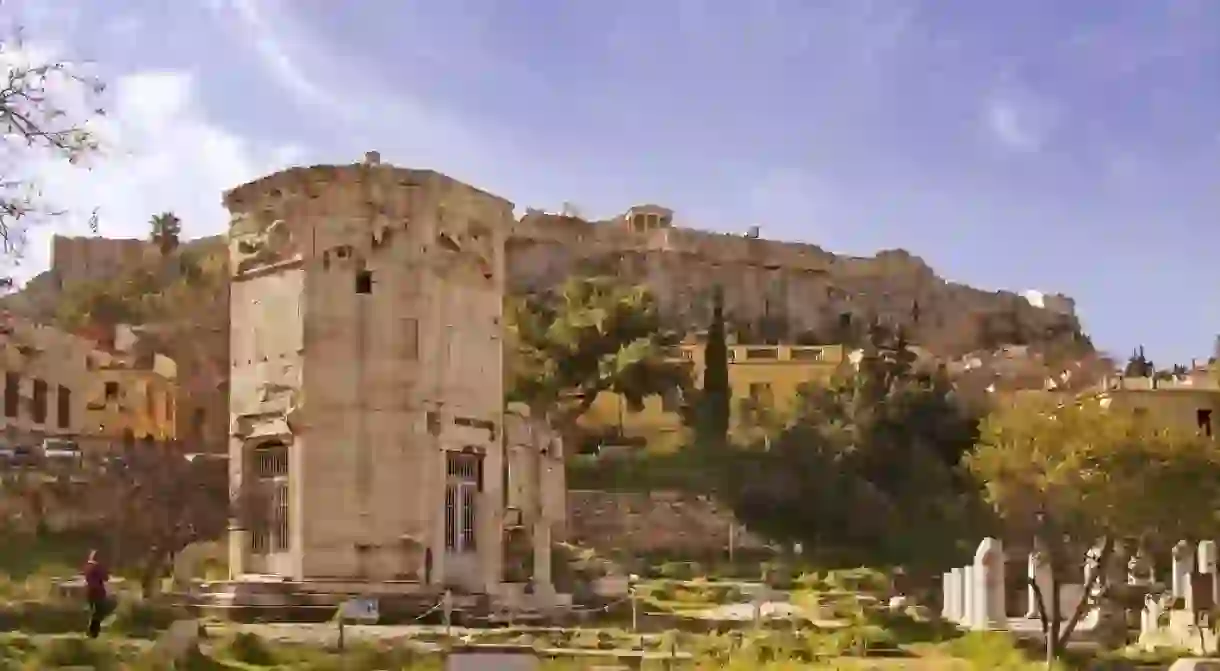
x: 463, y: 484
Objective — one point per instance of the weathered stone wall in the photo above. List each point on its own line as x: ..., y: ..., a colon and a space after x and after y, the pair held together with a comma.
x: 809, y: 289
x: 660, y: 522
x: 89, y: 259
x: 365, y: 314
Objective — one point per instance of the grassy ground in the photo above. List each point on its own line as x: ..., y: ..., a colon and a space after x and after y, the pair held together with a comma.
x: 850, y: 632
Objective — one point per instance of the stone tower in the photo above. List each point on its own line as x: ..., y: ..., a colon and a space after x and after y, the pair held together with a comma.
x: 366, y: 391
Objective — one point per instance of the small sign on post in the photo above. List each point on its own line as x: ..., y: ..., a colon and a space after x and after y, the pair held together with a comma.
x: 363, y: 610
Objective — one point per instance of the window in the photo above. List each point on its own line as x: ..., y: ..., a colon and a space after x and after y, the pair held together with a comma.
x: 39, y: 413
x: 112, y: 391
x: 63, y: 410
x: 364, y: 281
x: 1203, y: 417
x: 760, y: 391
x: 764, y: 353
x: 410, y: 338
x: 12, y: 394
x: 806, y: 353
x: 150, y: 400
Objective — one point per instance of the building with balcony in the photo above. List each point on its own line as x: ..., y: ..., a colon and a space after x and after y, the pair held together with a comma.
x: 63, y: 385
x: 760, y: 376
x: 132, y: 396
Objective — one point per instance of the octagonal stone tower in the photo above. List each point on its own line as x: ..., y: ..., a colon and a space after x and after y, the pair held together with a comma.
x: 366, y: 398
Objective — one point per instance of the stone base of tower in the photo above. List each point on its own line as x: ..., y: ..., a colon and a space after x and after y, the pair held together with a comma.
x: 260, y: 598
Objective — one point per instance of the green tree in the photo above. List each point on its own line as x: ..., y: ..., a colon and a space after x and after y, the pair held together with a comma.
x: 1139, y: 365
x: 714, y: 399
x: 1077, y: 477
x: 130, y: 298
x: 867, y: 470
x: 151, y: 503
x: 589, y: 336
x: 166, y: 229
x: 38, y: 114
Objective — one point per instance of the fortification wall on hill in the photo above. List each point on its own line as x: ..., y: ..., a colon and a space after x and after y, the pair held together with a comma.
x: 801, y: 285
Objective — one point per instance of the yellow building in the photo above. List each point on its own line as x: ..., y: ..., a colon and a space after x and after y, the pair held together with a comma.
x: 1190, y: 403
x: 768, y: 374
x: 132, y: 396
x: 58, y: 384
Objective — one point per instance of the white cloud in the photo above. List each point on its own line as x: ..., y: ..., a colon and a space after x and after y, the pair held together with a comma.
x: 1019, y: 120
x: 161, y: 153
x: 264, y: 30
x: 350, y: 92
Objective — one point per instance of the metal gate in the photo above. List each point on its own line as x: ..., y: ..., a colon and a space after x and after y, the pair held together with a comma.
x: 462, y: 486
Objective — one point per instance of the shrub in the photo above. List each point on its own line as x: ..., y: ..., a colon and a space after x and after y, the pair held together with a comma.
x: 76, y: 651
x: 679, y: 570
x: 140, y: 618
x: 992, y: 651
x: 44, y: 617
x: 250, y: 649
x: 866, y: 580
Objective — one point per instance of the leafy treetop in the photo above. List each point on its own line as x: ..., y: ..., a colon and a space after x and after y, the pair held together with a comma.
x: 589, y: 336
x: 1077, y: 477
x: 165, y: 231
x: 1098, y: 473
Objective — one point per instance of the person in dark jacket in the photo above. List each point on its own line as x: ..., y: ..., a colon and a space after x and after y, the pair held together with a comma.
x: 96, y: 577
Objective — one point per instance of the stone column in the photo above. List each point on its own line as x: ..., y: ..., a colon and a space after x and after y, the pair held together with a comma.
x: 946, y: 595
x: 239, y: 540
x: 969, y: 597
x: 989, y: 585
x: 1038, y: 571
x: 239, y: 536
x: 544, y: 587
x: 1183, y: 565
x: 959, y: 595
x: 1207, y: 559
x: 437, y: 511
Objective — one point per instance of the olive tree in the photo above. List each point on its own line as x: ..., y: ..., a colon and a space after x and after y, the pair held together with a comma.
x: 1080, y: 478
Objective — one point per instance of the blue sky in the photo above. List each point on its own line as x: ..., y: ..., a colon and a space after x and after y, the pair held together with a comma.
x: 1063, y: 146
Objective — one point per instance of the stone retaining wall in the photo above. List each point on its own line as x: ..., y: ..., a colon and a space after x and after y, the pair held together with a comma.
x: 662, y: 522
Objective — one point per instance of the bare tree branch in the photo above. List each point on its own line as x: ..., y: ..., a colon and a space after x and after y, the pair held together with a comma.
x: 45, y: 108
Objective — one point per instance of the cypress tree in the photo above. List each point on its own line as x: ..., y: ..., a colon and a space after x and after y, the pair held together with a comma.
x: 716, y: 395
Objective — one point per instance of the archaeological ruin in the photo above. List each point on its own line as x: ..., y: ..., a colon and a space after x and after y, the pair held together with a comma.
x: 368, y: 428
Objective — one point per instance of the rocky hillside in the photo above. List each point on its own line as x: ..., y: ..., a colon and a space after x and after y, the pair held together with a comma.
x: 790, y: 291
x: 774, y: 292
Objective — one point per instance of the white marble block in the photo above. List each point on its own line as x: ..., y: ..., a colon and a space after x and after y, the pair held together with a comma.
x: 988, y: 576
x: 1183, y: 565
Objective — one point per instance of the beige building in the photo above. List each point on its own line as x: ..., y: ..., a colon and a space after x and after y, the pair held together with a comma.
x: 366, y: 401
x: 58, y: 384
x: 1190, y: 403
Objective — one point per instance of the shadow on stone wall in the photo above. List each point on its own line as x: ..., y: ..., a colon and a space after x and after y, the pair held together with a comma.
x: 661, y: 523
